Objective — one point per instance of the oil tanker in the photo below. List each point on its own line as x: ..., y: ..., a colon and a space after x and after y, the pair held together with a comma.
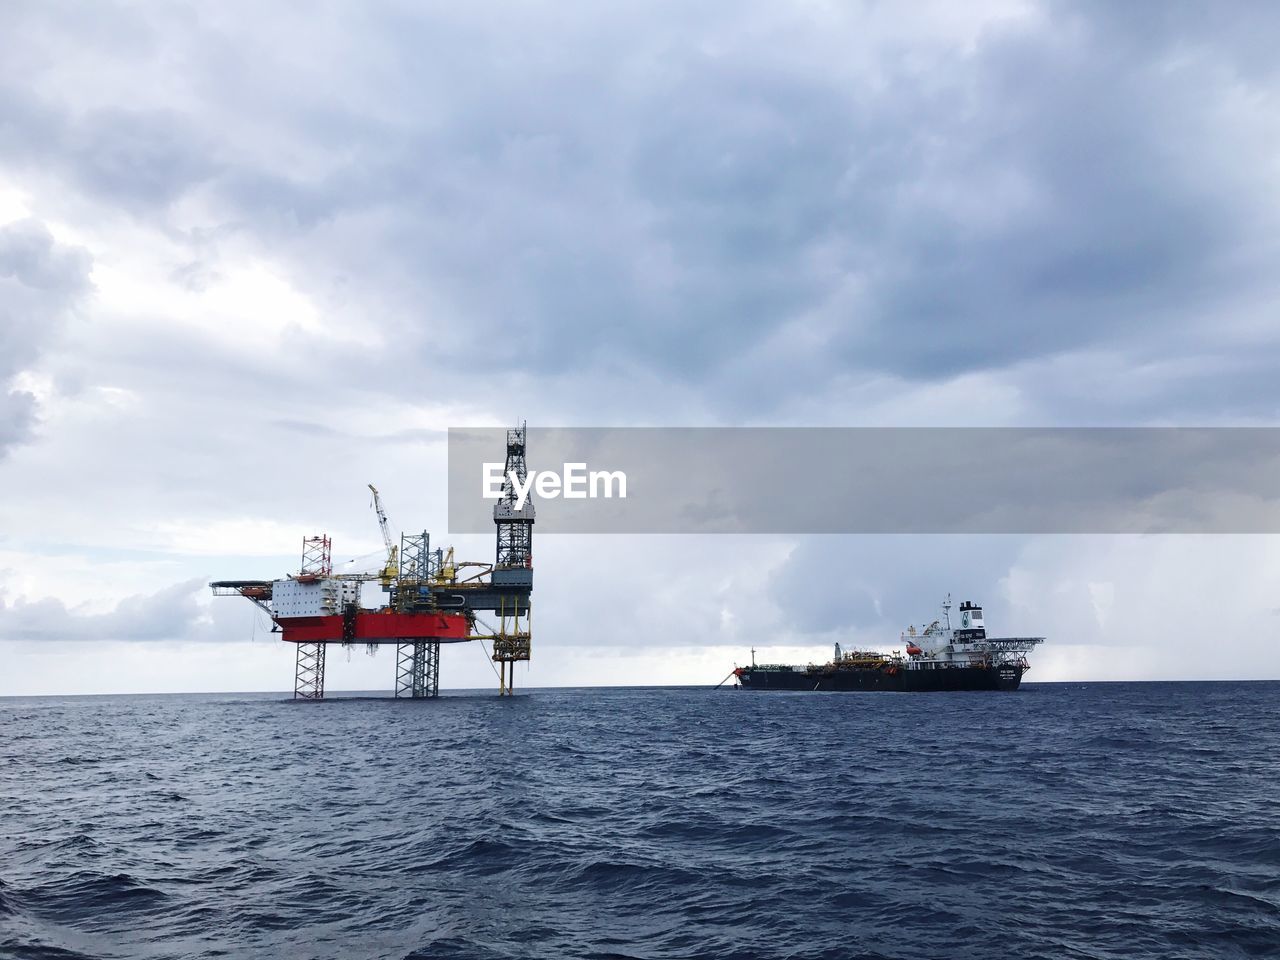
x: 938, y: 657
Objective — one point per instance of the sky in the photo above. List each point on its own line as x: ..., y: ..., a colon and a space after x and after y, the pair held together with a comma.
x: 252, y: 260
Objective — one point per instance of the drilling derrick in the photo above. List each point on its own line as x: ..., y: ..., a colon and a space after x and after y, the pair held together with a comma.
x: 515, y: 526
x: 514, y: 565
x: 433, y: 599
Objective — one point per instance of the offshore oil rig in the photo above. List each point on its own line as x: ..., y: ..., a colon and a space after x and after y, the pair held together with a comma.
x: 432, y: 598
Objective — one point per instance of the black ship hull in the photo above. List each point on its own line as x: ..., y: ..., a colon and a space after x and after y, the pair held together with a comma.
x: 822, y: 679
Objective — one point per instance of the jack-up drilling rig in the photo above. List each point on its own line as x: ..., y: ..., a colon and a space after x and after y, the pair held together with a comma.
x: 430, y: 602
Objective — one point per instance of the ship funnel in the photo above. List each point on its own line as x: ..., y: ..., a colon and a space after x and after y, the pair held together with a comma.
x: 970, y: 616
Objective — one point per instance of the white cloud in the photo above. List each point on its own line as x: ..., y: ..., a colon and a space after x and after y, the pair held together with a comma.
x: 13, y: 205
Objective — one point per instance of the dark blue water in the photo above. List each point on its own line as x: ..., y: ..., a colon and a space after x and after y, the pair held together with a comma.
x: 1106, y: 820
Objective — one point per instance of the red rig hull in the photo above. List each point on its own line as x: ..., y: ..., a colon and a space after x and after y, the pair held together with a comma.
x: 375, y: 626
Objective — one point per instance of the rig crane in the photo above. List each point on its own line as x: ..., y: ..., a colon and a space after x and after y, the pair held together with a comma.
x: 392, y: 567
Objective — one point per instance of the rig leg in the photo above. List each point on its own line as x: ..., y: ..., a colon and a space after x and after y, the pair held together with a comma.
x: 418, y: 669
x: 429, y: 657
x: 506, y: 678
x: 308, y: 680
x: 510, y: 645
x: 404, y: 670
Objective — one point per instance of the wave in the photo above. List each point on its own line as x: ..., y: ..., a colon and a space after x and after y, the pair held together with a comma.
x: 1108, y: 821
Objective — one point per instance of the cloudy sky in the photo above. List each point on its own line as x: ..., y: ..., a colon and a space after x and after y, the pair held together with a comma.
x: 251, y: 262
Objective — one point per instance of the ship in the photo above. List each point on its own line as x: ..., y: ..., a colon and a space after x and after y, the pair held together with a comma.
x: 938, y: 657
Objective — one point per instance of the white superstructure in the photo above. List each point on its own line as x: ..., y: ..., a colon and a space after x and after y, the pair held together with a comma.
x: 965, y: 644
x: 318, y: 597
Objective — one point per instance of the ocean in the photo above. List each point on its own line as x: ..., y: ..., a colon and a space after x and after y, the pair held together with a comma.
x: 1098, y: 820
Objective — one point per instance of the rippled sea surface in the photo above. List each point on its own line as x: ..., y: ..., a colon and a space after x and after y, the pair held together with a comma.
x: 1101, y: 820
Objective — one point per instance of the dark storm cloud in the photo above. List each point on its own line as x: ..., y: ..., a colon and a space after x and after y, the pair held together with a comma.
x: 887, y: 582
x: 168, y: 614
x: 1054, y: 191
x: 136, y: 158
x: 1132, y: 223
x: 668, y: 190
x: 882, y: 480
x: 40, y: 280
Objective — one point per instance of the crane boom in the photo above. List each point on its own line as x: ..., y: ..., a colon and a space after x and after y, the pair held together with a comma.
x: 382, y: 519
x: 391, y: 569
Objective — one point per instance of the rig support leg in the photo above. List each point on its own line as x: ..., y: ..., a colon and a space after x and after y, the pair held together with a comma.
x: 506, y: 678
x: 511, y: 645
x: 418, y: 669
x: 428, y: 676
x: 308, y: 678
